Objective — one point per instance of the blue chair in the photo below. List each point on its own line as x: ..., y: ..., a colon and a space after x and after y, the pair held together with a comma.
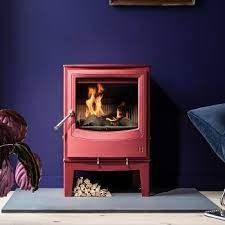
x: 210, y: 122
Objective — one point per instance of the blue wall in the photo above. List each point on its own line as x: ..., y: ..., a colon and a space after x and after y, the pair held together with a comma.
x: 184, y: 45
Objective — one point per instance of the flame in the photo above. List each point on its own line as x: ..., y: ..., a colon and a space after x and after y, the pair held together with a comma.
x: 94, y: 101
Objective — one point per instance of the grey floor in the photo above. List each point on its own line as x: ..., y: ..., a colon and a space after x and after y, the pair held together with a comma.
x: 52, y: 200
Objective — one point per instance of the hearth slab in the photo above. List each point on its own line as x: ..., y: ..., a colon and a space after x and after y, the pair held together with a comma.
x: 52, y: 200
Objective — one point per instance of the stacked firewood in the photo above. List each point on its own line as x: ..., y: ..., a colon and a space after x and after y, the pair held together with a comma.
x: 84, y: 188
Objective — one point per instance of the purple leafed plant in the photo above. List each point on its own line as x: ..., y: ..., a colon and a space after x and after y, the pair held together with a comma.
x: 13, y: 129
x: 21, y: 177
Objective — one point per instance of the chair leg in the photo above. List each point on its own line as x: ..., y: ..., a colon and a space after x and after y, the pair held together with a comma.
x: 219, y: 213
x: 222, y: 199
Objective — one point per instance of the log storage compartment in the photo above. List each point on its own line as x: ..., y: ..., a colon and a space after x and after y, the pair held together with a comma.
x: 109, y: 125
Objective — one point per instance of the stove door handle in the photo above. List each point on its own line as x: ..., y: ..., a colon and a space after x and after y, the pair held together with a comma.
x: 70, y: 114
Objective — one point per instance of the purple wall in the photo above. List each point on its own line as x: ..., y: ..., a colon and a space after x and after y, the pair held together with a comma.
x: 184, y: 45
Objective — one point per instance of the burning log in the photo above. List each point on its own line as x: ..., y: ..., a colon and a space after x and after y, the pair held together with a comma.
x: 126, y: 122
x: 94, y: 120
x: 105, y: 121
x: 84, y: 188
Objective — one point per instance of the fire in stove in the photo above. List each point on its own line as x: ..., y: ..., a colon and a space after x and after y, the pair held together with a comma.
x: 102, y: 117
x: 94, y: 102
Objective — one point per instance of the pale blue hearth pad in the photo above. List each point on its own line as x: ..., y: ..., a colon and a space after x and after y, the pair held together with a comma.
x: 52, y: 200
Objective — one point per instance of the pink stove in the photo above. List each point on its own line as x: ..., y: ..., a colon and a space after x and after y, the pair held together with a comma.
x: 106, y: 115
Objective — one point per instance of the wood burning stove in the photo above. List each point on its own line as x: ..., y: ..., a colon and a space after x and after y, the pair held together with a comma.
x: 106, y: 109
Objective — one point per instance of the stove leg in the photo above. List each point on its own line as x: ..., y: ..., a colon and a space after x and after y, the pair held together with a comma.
x: 68, y: 179
x: 144, y: 177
